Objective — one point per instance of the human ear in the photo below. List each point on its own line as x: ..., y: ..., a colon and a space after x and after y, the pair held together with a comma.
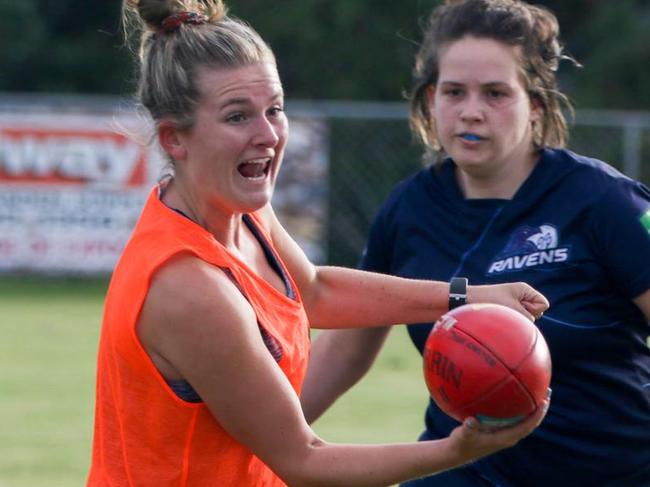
x: 536, y: 108
x: 170, y: 141
x: 431, y: 97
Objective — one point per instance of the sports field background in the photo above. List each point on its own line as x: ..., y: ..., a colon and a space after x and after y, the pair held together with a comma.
x: 49, y: 330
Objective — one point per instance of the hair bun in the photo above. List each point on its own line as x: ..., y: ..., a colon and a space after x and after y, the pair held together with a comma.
x: 174, y: 21
x: 154, y: 13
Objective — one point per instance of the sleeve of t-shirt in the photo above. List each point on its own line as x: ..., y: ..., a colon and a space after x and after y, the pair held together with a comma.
x: 620, y: 227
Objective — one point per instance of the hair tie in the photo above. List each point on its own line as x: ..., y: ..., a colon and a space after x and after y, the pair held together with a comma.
x: 174, y: 21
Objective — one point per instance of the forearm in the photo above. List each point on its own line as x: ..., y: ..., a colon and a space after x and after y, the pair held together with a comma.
x: 339, y: 358
x: 374, y: 465
x: 346, y: 298
x: 321, y: 464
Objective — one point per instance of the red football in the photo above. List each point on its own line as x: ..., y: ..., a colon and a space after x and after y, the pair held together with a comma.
x: 487, y: 361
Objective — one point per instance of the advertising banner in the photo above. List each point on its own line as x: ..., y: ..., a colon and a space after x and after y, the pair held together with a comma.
x: 72, y: 187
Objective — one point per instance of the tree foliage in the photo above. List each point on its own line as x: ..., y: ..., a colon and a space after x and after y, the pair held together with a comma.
x: 340, y: 48
x: 334, y: 49
x: 62, y: 46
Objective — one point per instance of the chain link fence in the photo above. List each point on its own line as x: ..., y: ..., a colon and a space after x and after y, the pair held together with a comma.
x: 365, y: 149
x: 371, y: 149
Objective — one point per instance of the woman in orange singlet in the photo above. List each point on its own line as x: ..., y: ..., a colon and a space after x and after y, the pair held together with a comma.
x: 205, y: 337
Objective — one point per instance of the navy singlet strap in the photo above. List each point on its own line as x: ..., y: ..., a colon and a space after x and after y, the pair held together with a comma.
x: 271, y: 258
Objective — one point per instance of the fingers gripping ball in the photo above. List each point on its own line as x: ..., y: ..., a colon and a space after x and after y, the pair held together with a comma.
x: 487, y: 361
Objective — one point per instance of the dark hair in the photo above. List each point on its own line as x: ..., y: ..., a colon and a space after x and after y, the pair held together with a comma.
x: 202, y: 36
x: 534, y: 29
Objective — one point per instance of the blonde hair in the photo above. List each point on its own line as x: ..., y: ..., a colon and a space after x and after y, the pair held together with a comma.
x: 533, y: 29
x: 171, y: 58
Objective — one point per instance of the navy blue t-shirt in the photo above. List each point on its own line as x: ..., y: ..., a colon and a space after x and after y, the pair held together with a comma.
x: 575, y: 231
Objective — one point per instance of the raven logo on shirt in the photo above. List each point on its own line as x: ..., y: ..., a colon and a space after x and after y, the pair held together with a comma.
x: 529, y: 247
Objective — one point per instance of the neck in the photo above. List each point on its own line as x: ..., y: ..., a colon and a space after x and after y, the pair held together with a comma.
x: 224, y: 227
x: 502, y: 183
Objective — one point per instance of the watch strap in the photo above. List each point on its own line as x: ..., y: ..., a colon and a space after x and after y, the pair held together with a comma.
x: 457, y: 292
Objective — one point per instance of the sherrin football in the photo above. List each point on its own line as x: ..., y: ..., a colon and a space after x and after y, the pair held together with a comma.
x: 487, y: 361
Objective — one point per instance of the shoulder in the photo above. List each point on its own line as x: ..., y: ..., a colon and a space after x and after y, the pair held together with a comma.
x: 400, y: 212
x: 408, y: 192
x: 188, y: 290
x: 585, y: 168
x: 609, y: 202
x: 190, y: 306
x: 591, y: 180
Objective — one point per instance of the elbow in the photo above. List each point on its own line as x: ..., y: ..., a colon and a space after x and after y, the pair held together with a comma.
x: 308, y: 469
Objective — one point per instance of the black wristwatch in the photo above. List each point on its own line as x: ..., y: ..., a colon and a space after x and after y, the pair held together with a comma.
x: 457, y: 292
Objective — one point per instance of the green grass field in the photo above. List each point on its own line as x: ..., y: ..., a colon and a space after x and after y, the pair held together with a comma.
x: 47, y: 362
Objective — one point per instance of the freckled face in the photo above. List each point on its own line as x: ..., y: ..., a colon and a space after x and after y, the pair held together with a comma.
x: 482, y: 112
x: 235, y: 147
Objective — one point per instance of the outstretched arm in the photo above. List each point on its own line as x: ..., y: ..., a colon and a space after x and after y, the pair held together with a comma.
x: 336, y: 297
x: 340, y: 358
x: 198, y: 326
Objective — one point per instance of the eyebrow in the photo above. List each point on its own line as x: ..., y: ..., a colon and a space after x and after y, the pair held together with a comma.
x: 489, y: 84
x: 245, y: 100
x: 234, y: 101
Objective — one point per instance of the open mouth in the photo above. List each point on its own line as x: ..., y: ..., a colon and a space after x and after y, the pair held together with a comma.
x: 255, y: 168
